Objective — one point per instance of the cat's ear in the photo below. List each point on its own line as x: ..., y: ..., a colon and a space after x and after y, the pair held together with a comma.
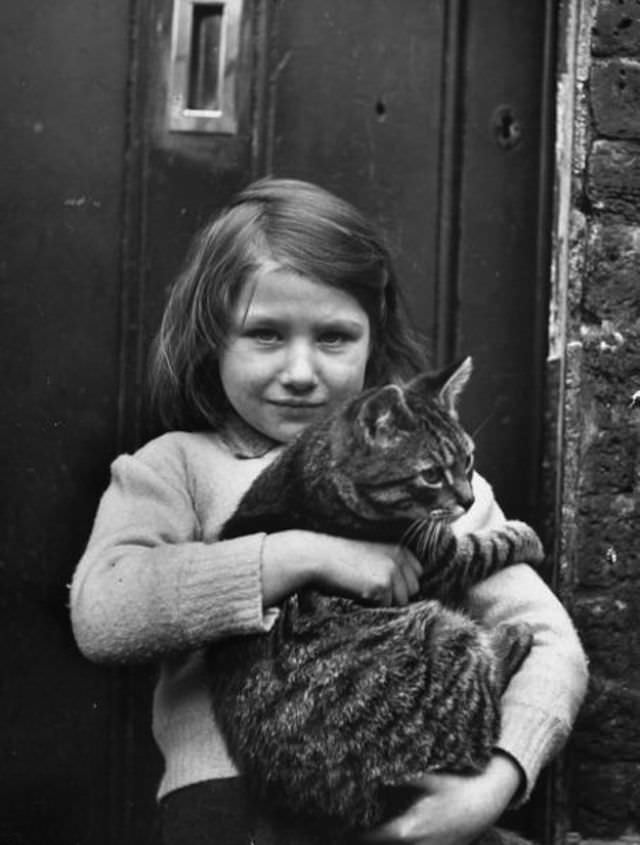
x: 384, y: 416
x: 446, y: 384
x: 455, y: 381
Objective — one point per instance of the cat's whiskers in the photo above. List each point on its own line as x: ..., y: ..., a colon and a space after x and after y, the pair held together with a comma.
x: 481, y: 425
x: 413, y: 531
x: 431, y: 539
x: 423, y: 534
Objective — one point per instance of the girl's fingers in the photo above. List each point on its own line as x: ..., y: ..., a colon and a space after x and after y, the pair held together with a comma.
x: 415, y: 564
x: 411, y: 572
x: 400, y: 588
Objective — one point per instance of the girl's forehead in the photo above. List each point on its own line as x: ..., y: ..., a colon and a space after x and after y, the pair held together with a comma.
x: 276, y: 290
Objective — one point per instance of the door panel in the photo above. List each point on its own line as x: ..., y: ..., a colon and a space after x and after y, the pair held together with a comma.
x: 391, y: 103
x: 355, y: 104
x: 63, y: 89
x: 502, y: 244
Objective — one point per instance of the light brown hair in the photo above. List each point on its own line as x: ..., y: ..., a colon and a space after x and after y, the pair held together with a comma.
x: 304, y: 229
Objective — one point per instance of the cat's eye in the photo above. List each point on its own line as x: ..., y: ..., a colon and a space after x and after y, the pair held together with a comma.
x: 468, y: 464
x: 432, y: 476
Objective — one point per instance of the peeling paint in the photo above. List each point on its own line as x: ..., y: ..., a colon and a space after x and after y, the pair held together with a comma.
x: 75, y: 202
x: 81, y: 201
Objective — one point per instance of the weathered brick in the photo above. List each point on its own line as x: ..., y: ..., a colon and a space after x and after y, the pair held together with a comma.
x: 611, y: 290
x: 613, y: 177
x: 611, y: 360
x: 606, y: 545
x: 615, y: 91
x: 609, y: 630
x: 608, y: 722
x: 607, y: 796
x: 602, y: 435
x: 617, y: 28
x: 610, y: 462
x: 609, y: 427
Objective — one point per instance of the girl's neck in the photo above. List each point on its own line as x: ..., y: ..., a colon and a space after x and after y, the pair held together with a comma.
x: 244, y: 440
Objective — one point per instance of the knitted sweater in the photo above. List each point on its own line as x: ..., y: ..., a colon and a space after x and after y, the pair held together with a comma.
x: 154, y: 584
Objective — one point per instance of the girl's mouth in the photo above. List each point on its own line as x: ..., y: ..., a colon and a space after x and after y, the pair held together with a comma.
x: 297, y: 405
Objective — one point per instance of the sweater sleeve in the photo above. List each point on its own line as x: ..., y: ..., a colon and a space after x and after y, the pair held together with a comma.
x: 147, y: 586
x: 541, y: 702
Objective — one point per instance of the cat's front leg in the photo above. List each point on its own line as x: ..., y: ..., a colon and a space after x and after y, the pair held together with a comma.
x: 453, y: 564
x: 495, y: 548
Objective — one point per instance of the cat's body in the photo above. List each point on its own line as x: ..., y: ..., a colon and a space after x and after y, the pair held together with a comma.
x: 341, y: 702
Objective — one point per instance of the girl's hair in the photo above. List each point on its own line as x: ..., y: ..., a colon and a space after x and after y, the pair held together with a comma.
x: 302, y: 228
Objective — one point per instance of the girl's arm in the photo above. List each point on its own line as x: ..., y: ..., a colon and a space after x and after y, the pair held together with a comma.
x: 539, y: 706
x: 373, y: 573
x: 542, y: 699
x: 146, y: 586
x: 538, y: 711
x: 541, y: 702
x: 455, y: 809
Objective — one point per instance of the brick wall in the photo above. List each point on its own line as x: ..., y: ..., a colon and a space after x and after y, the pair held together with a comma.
x: 600, y: 523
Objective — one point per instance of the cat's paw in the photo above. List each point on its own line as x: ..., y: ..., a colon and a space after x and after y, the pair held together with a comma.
x: 511, y: 644
x: 528, y: 547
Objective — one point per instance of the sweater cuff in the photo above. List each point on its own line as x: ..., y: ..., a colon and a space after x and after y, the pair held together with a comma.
x: 220, y: 593
x: 532, y: 737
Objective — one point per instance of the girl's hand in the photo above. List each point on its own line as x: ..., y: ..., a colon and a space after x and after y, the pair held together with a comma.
x: 375, y: 573
x: 455, y: 809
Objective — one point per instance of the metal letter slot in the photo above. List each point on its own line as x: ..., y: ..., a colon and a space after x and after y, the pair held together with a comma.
x: 205, y: 43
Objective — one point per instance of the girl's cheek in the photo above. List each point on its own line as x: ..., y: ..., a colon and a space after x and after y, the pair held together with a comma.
x: 352, y: 375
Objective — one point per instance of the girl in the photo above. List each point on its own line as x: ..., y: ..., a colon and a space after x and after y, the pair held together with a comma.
x: 288, y: 304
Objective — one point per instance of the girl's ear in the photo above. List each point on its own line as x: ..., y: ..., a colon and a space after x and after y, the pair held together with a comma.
x: 384, y: 416
x: 446, y: 384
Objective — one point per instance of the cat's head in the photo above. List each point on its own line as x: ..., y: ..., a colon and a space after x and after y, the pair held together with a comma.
x: 401, y: 452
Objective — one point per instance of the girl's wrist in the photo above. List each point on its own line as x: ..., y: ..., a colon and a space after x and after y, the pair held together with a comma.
x: 287, y: 565
x: 508, y: 778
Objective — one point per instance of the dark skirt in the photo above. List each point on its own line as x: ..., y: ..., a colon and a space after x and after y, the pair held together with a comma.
x: 219, y: 812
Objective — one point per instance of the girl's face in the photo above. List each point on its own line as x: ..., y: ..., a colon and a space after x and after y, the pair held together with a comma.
x: 296, y: 349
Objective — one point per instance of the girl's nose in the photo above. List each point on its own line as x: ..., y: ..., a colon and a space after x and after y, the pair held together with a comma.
x: 299, y: 371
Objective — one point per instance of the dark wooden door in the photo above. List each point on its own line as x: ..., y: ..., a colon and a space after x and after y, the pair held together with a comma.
x: 431, y: 115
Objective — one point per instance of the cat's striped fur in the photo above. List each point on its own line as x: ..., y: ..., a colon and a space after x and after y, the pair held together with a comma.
x: 341, y: 703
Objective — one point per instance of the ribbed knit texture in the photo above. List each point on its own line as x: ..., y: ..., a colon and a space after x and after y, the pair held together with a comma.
x: 154, y: 582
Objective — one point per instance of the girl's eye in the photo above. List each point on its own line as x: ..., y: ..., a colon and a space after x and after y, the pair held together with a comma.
x: 333, y: 338
x: 432, y: 477
x: 264, y: 336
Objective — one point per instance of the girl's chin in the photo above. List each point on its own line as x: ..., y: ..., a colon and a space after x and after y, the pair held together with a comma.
x: 289, y: 425
x: 285, y: 432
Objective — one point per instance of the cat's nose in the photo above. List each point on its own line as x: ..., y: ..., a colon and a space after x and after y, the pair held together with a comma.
x: 464, y: 495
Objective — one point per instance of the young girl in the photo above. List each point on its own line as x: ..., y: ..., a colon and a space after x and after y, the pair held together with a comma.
x: 288, y: 304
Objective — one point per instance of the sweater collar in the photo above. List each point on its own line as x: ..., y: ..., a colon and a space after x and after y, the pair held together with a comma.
x: 243, y: 440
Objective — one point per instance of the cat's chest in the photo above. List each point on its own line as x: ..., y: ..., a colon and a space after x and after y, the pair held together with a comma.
x: 217, y: 486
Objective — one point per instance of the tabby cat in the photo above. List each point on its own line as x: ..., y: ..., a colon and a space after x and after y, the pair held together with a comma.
x: 340, y: 702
